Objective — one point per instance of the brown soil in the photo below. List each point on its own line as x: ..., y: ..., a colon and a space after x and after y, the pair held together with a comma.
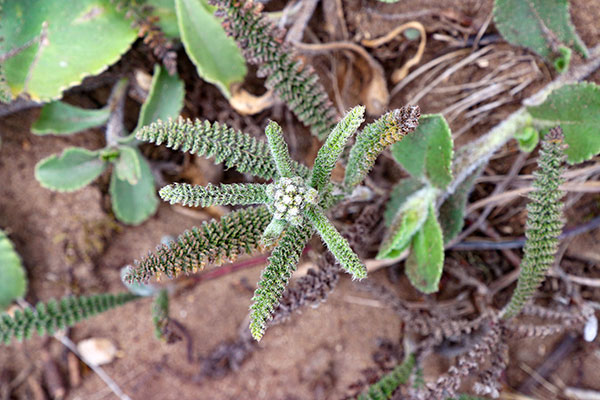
x: 71, y: 244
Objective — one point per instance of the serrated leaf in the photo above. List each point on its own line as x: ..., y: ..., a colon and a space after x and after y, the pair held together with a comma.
x: 398, y: 196
x: 13, y: 281
x: 75, y: 168
x: 535, y: 24
x: 127, y: 166
x: 216, y: 56
x: 576, y: 108
x: 133, y: 204
x: 427, y: 152
x: 58, y: 118
x: 409, y: 218
x: 452, y: 212
x: 425, y: 263
x: 165, y: 99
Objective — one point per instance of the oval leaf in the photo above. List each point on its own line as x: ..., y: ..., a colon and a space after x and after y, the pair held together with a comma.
x: 13, y: 281
x: 74, y: 43
x: 58, y: 118
x: 75, y: 168
x: 127, y: 166
x: 133, y: 204
x: 576, y: 108
x: 408, y: 220
x: 427, y: 151
x: 425, y: 263
x: 165, y: 99
x: 216, y: 56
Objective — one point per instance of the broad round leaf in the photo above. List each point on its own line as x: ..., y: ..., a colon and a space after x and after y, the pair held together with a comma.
x: 75, y: 168
x: 13, y: 281
x: 58, y: 118
x: 127, y: 165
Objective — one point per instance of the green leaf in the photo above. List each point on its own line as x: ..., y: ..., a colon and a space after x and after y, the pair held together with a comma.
x: 427, y: 151
x: 216, y: 56
x: 409, y: 218
x: 527, y: 139
x: 133, y: 204
x: 536, y: 24
x: 75, y: 168
x: 165, y: 99
x: 576, y: 108
x: 452, y: 212
x: 82, y: 39
x: 167, y: 18
x: 400, y: 193
x: 425, y: 263
x: 58, y: 118
x: 127, y: 166
x: 13, y: 281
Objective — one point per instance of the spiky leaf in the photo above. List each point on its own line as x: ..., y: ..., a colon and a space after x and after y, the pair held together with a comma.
x: 133, y: 204
x: 47, y: 318
x: 58, y: 118
x: 425, y: 263
x: 279, y: 150
x: 275, y: 277
x: 160, y: 313
x: 576, y: 108
x: 376, y: 136
x: 13, y: 281
x: 535, y: 24
x: 165, y: 99
x: 427, y: 152
x: 205, y: 196
x: 217, y: 58
x: 214, y: 242
x: 389, y: 383
x: 72, y: 170
x: 76, y: 43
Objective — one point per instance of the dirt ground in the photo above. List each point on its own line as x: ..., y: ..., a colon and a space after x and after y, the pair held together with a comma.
x: 71, y: 244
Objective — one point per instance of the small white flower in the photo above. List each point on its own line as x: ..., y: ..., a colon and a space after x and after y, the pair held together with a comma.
x: 278, y: 194
x: 293, y: 211
x: 281, y: 208
x: 290, y: 188
x: 298, y: 199
x: 286, y: 199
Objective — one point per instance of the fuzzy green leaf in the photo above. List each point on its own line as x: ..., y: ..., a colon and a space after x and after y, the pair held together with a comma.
x: 576, y: 108
x: 214, y: 242
x: 427, y: 152
x: 400, y: 193
x: 133, y: 204
x: 408, y: 220
x: 275, y: 277
x: 76, y: 44
x: 279, y: 150
x: 376, y: 136
x: 332, y: 149
x: 536, y: 24
x: 217, y: 58
x: 452, y: 211
x: 225, y: 144
x: 165, y: 99
x: 205, y: 196
x: 47, y: 318
x: 127, y: 166
x: 425, y: 263
x: 58, y: 118
x: 13, y: 282
x: 75, y: 168
x: 527, y: 139
x: 337, y: 244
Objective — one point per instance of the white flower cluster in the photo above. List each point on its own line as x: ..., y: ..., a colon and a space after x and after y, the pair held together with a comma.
x: 289, y: 197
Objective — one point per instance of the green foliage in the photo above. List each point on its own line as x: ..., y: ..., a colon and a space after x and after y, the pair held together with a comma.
x: 58, y: 118
x: 375, y: 138
x: 400, y: 193
x: 75, y: 168
x: 54, y: 315
x: 160, y: 313
x: 528, y: 139
x: 53, y: 39
x: 425, y: 263
x: 296, y: 84
x: 5, y: 94
x: 385, y: 387
x: 538, y: 25
x: 198, y: 196
x: 216, y: 56
x: 164, y: 10
x: 576, y: 108
x: 427, y: 152
x: 128, y: 166
x: 279, y: 150
x: 214, y: 242
x: 544, y: 222
x: 562, y: 62
x: 13, y: 282
x: 333, y: 147
x: 276, y: 276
